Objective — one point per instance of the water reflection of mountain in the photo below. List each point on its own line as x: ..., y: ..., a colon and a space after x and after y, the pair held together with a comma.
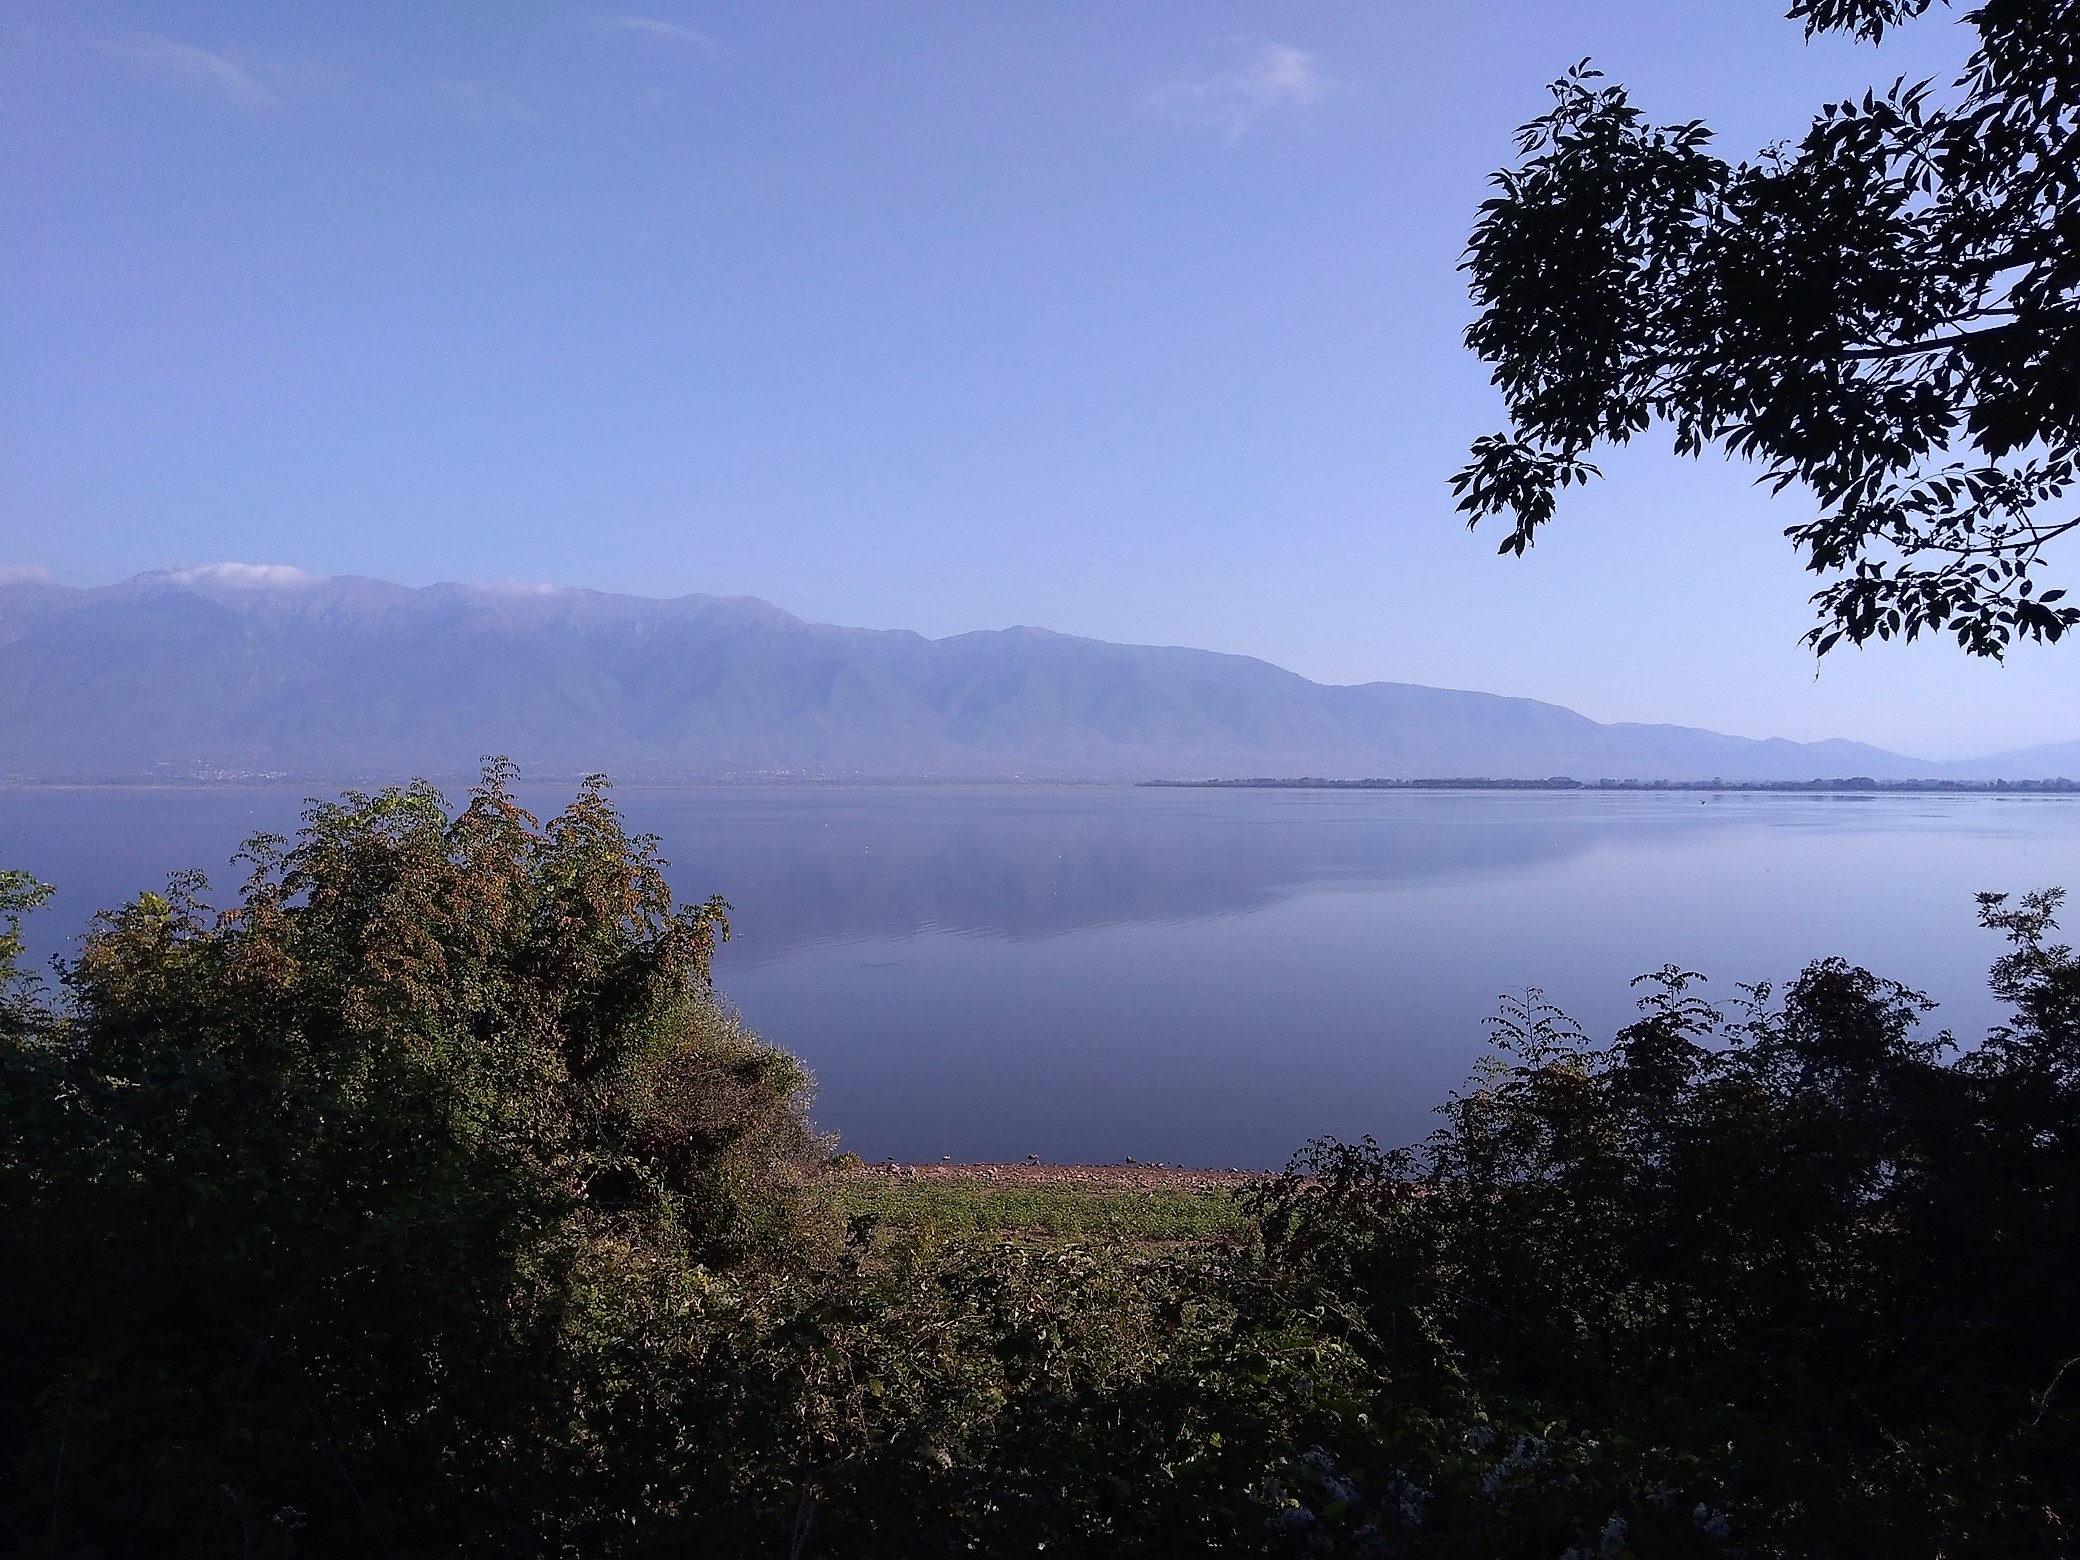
x: 807, y: 867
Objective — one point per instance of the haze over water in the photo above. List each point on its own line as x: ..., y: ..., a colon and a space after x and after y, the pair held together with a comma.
x: 1206, y: 977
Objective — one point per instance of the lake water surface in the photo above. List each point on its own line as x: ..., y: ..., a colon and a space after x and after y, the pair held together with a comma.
x: 1207, y: 977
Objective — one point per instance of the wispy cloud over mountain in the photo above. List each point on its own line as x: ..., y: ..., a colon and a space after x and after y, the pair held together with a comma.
x: 1277, y: 81
x: 197, y: 67
x: 253, y: 574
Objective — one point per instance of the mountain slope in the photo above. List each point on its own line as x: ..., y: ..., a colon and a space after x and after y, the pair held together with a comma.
x: 238, y: 669
x: 2051, y: 759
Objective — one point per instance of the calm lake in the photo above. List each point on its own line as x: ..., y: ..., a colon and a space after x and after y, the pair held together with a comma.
x: 1206, y: 978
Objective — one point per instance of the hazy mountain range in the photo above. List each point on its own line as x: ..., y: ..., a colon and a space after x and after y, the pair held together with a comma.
x: 238, y: 670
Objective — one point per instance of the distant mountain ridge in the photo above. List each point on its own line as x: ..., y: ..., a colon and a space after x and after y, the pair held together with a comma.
x: 241, y: 670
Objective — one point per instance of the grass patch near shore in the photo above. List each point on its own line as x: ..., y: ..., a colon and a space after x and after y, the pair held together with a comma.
x: 983, y: 1207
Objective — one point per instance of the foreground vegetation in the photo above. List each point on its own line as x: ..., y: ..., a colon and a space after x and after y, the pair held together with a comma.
x: 426, y: 1201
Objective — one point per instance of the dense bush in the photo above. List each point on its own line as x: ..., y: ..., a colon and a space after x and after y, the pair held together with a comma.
x: 428, y: 1202
x: 1796, y: 1276
x: 299, y: 1203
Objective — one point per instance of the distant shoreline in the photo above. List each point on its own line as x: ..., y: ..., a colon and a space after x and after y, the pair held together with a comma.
x: 1841, y: 786
x: 1853, y: 784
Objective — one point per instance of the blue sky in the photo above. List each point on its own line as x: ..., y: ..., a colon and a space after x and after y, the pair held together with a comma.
x: 1133, y: 321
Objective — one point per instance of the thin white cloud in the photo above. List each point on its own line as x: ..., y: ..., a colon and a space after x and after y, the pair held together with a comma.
x: 25, y: 574
x: 482, y: 104
x: 198, y: 68
x: 249, y: 575
x: 1278, y: 80
x: 656, y: 29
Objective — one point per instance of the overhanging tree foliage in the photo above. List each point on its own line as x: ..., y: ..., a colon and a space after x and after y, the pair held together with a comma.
x: 1887, y: 313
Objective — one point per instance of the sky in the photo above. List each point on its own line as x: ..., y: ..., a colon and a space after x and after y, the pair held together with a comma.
x: 1140, y: 322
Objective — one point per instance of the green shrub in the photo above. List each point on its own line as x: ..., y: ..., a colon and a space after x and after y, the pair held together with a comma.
x: 987, y: 1396
x: 296, y: 1200
x: 1793, y: 1277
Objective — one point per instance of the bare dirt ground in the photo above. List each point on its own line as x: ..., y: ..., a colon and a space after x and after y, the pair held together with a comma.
x: 1091, y: 1178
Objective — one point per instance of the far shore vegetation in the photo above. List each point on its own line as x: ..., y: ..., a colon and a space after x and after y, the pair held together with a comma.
x: 1852, y: 785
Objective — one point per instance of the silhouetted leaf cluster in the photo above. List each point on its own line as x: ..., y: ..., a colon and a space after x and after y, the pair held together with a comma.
x: 1887, y: 313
